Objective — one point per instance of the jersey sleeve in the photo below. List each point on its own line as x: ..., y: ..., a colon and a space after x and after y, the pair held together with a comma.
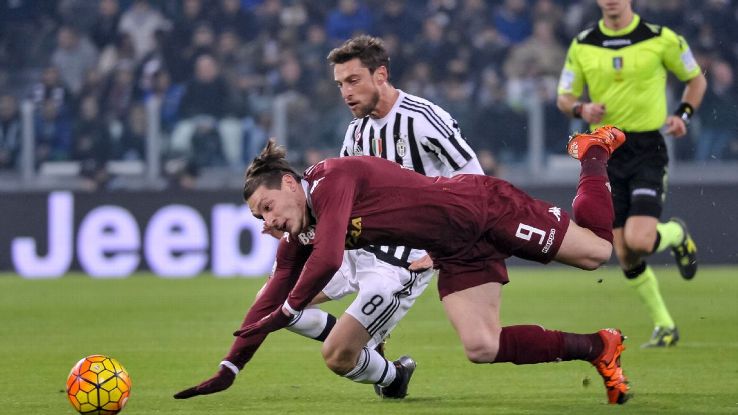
x: 678, y: 58
x: 441, y: 135
x: 290, y: 259
x: 332, y: 198
x: 572, y: 80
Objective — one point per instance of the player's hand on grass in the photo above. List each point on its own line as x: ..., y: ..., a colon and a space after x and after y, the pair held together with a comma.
x: 276, y: 320
x: 221, y: 381
x: 421, y: 264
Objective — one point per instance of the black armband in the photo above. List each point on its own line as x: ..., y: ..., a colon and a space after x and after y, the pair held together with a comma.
x: 576, y: 110
x: 684, y: 111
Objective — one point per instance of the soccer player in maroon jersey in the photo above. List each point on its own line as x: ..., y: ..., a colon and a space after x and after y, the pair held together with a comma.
x: 469, y: 224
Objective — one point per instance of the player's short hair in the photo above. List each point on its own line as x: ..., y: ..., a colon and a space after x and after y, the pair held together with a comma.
x: 370, y: 51
x: 267, y: 169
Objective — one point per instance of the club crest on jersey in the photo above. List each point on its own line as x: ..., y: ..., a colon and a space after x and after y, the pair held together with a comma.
x: 377, y: 146
x: 353, y: 233
x: 307, y: 237
x: 617, y: 63
x: 400, y: 146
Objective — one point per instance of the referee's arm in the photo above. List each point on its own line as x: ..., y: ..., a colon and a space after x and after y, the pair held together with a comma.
x: 676, y: 124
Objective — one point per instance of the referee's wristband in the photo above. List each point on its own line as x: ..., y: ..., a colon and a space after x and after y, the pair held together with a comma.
x: 576, y: 110
x: 684, y: 111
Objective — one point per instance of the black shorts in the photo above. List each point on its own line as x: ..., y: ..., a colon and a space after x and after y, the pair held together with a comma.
x: 637, y: 172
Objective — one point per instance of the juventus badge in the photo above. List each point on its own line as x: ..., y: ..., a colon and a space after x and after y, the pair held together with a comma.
x: 400, y: 146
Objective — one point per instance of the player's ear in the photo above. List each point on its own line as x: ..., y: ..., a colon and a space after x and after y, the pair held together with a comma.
x: 289, y: 182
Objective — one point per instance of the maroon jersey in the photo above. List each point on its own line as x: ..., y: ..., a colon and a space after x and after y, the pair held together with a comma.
x: 469, y: 224
x: 467, y: 219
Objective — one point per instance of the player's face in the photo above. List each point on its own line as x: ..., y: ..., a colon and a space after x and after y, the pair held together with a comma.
x: 358, y: 87
x: 614, y: 8
x: 281, y: 209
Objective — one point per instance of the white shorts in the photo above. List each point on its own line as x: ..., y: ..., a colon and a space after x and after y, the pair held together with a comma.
x: 385, y: 292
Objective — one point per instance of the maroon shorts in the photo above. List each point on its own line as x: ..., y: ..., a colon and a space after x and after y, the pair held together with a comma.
x: 516, y: 225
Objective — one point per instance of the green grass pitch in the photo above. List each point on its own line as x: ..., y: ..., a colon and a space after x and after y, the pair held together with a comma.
x: 171, y: 334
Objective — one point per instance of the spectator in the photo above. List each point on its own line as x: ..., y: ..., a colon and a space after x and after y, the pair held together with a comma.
x: 105, y: 29
x: 395, y: 19
x: 120, y: 52
x: 231, y: 16
x: 50, y: 88
x: 141, y: 22
x: 53, y: 133
x: 203, y: 112
x: 74, y: 56
x: 10, y: 132
x: 535, y: 64
x: 513, y: 20
x: 348, y: 18
x: 92, y: 142
x: 118, y: 96
x: 718, y: 114
x: 132, y: 143
x: 168, y: 96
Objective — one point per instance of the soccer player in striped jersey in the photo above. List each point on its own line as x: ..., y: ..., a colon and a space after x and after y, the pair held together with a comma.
x: 412, y: 132
x: 416, y: 134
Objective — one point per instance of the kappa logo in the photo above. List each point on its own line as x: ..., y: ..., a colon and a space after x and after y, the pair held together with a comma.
x: 556, y: 212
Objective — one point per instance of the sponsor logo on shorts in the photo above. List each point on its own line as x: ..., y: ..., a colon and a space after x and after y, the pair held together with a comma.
x: 549, y: 241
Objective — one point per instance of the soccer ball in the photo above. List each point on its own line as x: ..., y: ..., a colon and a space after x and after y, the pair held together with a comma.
x: 98, y: 385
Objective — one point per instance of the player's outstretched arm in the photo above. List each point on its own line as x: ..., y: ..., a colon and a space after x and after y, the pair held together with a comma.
x: 272, y: 295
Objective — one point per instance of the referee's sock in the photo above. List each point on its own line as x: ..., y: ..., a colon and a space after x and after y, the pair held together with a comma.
x: 592, y: 206
x: 644, y: 282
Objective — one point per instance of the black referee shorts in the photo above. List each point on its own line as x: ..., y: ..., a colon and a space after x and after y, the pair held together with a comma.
x: 637, y: 172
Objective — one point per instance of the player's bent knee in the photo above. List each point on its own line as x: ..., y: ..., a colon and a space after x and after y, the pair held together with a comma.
x: 481, y: 351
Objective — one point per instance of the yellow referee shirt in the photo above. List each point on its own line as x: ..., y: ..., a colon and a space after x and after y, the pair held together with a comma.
x: 626, y: 70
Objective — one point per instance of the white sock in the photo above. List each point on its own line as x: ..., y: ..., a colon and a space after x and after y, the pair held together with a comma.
x: 372, y: 368
x: 312, y: 322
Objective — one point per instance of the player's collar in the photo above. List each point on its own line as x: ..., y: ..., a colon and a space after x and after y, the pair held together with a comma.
x: 624, y: 31
x: 308, y: 198
x: 380, y: 122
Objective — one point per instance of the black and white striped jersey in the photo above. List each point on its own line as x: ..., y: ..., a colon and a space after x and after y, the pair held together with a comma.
x: 415, y: 133
x: 418, y: 135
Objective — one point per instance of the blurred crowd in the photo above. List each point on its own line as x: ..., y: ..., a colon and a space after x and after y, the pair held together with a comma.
x: 216, y: 70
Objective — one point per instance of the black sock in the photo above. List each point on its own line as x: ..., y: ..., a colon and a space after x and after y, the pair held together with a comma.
x: 328, y: 327
x: 633, y: 273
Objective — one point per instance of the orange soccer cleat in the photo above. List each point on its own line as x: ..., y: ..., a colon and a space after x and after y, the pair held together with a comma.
x: 607, y: 136
x: 608, y: 366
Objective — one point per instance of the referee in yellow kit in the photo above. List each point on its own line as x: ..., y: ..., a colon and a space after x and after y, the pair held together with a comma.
x: 623, y: 62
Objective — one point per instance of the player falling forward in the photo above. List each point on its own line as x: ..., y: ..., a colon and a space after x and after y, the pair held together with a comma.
x: 469, y: 225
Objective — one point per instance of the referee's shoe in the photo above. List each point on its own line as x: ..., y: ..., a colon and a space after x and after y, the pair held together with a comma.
x: 685, y: 253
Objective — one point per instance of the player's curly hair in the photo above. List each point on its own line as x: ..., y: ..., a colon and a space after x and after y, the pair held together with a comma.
x: 370, y: 51
x: 267, y: 169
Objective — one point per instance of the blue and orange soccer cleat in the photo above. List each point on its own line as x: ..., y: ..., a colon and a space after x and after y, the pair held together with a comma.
x: 608, y: 366
x: 607, y: 136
